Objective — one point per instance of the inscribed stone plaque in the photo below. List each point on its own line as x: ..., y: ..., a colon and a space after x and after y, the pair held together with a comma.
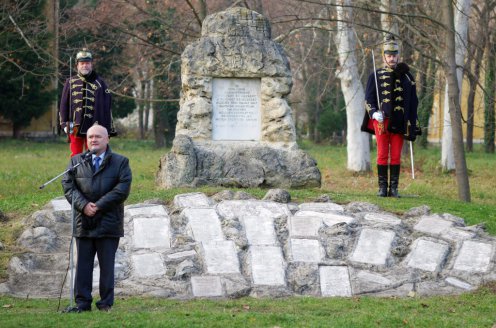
x: 382, y: 218
x: 306, y: 250
x: 204, y: 224
x: 148, y: 265
x: 196, y: 199
x: 373, y: 246
x: 321, y: 207
x: 260, y: 230
x: 334, y: 281
x: 328, y: 218
x: 220, y: 257
x: 209, y: 286
x: 267, y: 265
x: 474, y: 256
x: 147, y: 211
x: 151, y: 232
x: 427, y: 255
x: 60, y: 205
x: 236, y: 109
x: 303, y: 226
x: 432, y: 225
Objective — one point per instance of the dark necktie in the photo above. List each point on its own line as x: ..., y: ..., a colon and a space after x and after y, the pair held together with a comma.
x: 96, y: 165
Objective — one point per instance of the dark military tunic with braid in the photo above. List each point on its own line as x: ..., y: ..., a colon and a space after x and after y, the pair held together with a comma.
x: 397, y: 100
x: 85, y: 101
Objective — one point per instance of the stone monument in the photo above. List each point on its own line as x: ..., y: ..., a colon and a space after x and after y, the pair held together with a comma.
x: 235, y: 126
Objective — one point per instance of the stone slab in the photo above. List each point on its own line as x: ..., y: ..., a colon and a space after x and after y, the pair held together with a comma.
x: 195, y: 199
x: 260, y: 230
x: 373, y: 247
x: 304, y: 226
x: 457, y: 235
x: 60, y: 205
x: 220, y: 257
x: 432, y: 225
x: 372, y: 277
x: 267, y: 265
x: 382, y: 218
x: 459, y: 283
x: 474, y: 257
x: 306, y: 250
x: 321, y: 207
x: 147, y: 211
x: 206, y: 286
x: 204, y: 224
x: 151, y: 232
x: 427, y: 255
x: 236, y: 112
x: 329, y: 218
x: 335, y: 281
x: 181, y: 255
x: 148, y: 265
x: 232, y: 209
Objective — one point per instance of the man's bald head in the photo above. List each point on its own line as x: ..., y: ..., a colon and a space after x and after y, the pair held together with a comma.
x: 97, y: 138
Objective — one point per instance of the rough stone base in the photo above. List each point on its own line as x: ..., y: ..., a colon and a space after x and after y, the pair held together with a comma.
x: 246, y: 165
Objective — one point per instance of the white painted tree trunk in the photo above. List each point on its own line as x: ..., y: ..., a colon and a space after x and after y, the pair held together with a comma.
x: 357, y: 141
x: 387, y: 24
x: 462, y: 8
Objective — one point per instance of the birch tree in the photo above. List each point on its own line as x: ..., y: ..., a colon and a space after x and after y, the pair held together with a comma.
x: 461, y: 28
x: 358, y: 147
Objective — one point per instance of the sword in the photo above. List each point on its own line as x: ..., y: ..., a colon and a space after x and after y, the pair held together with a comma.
x: 411, y: 160
x: 381, y: 124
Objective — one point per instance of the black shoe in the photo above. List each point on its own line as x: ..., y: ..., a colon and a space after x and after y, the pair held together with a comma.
x: 105, y: 308
x: 75, y: 309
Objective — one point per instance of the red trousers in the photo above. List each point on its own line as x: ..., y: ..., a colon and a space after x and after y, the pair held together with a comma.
x: 389, y: 145
x: 77, y: 144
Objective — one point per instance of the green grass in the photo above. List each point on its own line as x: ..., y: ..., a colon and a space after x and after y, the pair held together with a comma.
x: 26, y: 165
x: 468, y: 310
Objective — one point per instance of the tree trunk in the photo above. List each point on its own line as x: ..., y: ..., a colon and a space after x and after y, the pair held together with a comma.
x: 490, y: 85
x: 358, y: 147
x: 460, y: 27
x: 450, y: 68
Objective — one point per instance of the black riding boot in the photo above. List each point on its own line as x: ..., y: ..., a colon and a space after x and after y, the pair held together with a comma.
x: 382, y: 173
x: 394, y: 177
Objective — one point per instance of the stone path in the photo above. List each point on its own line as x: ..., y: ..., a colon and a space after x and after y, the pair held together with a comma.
x: 217, y: 248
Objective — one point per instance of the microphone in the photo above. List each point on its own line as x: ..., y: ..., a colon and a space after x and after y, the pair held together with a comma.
x: 87, y: 156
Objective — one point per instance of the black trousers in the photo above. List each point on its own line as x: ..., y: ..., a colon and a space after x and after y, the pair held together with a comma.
x: 105, y: 249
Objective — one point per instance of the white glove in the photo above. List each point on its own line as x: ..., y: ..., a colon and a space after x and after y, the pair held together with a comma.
x: 378, y: 117
x: 65, y: 129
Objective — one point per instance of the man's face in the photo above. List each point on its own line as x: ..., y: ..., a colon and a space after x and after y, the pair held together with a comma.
x: 84, y: 67
x: 97, y: 138
x: 391, y: 60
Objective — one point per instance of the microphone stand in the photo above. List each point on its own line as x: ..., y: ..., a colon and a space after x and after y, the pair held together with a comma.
x: 71, y: 171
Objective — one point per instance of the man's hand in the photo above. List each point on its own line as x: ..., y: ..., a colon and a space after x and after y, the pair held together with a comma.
x: 90, y: 209
x: 378, y: 117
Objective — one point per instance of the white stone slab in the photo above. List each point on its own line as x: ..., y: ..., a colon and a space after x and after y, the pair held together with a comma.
x: 231, y: 209
x: 304, y: 226
x: 306, y: 250
x: 371, y: 277
x: 181, y: 255
x: 373, y: 247
x: 236, y: 109
x: 382, y: 218
x: 260, y: 230
x: 60, y: 205
x: 204, y: 224
x: 335, y: 281
x: 220, y: 257
x: 459, y: 283
x: 267, y: 265
x: 148, y: 265
x: 147, y: 211
x: 457, y: 235
x: 151, y: 232
x: 427, y: 255
x: 321, y: 207
x: 195, y: 199
x: 474, y: 257
x: 433, y: 225
x: 206, y: 286
x: 329, y: 218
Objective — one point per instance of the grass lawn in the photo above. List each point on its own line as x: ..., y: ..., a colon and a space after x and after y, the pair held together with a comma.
x: 26, y: 165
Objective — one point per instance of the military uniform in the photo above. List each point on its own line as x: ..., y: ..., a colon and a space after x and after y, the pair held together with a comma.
x: 397, y: 104
x: 85, y: 101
